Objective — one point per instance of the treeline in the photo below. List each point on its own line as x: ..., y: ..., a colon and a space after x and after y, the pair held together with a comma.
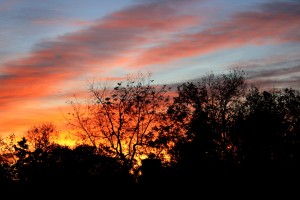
x: 218, y: 132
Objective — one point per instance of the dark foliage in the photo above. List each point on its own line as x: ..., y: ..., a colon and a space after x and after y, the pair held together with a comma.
x: 225, y: 139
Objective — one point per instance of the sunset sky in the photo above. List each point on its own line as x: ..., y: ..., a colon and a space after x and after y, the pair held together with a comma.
x: 50, y: 50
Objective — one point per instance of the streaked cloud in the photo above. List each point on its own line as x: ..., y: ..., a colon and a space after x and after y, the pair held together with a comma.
x: 96, y: 49
x: 270, y: 23
x: 136, y: 38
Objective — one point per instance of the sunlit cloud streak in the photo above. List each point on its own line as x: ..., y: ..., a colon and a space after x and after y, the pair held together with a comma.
x: 74, y: 54
x: 274, y: 23
x: 143, y: 36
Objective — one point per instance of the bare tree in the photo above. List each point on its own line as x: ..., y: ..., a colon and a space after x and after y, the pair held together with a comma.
x: 41, y: 136
x: 119, y: 121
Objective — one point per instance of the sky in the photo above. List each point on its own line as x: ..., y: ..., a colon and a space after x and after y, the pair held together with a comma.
x: 50, y: 50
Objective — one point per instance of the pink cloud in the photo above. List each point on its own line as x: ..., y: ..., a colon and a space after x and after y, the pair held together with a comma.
x: 125, y: 38
x: 97, y: 49
x: 272, y: 23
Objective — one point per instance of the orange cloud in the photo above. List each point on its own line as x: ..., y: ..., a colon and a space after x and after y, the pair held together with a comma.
x: 69, y: 56
x: 97, y: 49
x: 125, y: 38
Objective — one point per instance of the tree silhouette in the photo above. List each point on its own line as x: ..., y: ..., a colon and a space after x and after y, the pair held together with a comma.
x: 120, y: 120
x: 271, y: 126
x: 267, y: 130
x: 202, y: 117
x: 209, y: 109
x: 219, y: 136
x: 41, y: 136
x: 59, y: 168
